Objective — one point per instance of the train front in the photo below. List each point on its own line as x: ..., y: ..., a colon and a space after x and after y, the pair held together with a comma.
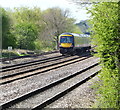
x: 66, y: 43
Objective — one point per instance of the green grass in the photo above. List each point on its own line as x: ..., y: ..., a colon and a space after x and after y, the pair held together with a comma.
x: 21, y: 52
x: 9, y: 54
x: 13, y: 53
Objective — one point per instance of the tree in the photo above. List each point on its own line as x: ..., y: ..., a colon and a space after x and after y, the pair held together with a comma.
x: 26, y: 34
x: 27, y: 26
x: 56, y: 22
x: 8, y: 39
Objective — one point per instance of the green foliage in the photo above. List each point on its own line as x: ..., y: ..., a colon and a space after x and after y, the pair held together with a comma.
x: 56, y: 21
x: 44, y: 45
x: 10, y: 54
x: 107, y: 39
x: 29, y: 28
x: 8, y: 39
x: 76, y: 30
x: 26, y: 34
x: 24, y: 14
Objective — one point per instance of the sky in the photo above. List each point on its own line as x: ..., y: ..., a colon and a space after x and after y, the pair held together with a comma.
x: 75, y: 10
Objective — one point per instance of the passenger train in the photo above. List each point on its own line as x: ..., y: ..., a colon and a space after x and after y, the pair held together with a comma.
x: 71, y: 43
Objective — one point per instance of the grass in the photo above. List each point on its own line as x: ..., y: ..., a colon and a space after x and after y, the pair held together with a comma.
x: 20, y: 52
x: 13, y: 53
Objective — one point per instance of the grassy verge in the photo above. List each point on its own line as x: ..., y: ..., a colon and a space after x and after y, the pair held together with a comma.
x: 14, y: 53
x: 21, y: 52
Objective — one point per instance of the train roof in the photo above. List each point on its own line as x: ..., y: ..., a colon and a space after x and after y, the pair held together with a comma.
x: 75, y: 34
x: 66, y: 33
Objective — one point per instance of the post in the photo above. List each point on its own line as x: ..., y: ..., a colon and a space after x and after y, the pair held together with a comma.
x: 9, y: 49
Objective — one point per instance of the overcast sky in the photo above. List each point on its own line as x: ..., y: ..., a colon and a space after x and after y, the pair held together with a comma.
x: 75, y: 10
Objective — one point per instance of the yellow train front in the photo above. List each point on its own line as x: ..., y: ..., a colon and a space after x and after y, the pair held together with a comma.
x: 70, y: 43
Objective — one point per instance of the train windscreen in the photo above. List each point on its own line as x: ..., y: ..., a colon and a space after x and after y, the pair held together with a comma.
x: 66, y: 39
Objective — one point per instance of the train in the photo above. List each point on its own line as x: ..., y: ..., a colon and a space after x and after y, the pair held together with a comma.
x: 72, y: 43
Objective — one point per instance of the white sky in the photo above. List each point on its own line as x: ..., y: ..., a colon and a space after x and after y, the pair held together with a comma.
x: 76, y: 11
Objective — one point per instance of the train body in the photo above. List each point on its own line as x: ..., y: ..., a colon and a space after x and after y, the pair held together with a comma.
x: 71, y: 43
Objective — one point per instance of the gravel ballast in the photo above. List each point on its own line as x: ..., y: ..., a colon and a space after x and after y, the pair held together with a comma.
x: 43, y: 96
x: 27, y: 59
x: 83, y: 96
x: 17, y: 88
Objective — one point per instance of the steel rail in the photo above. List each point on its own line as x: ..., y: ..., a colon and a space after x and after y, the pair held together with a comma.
x: 24, y: 63
x: 42, y: 89
x: 31, y: 63
x: 46, y: 66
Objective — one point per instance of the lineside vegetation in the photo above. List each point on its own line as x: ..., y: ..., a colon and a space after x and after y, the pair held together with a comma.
x: 33, y: 29
x: 106, y: 37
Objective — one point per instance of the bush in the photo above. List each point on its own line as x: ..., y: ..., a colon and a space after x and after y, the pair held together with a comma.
x: 106, y: 37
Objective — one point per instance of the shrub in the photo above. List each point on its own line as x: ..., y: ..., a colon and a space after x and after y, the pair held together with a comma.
x: 106, y: 37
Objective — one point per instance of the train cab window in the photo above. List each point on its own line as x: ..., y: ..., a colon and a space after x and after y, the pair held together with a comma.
x: 66, y: 39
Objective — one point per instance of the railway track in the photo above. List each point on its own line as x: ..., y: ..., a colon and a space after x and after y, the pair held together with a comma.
x: 42, y: 66
x: 47, y: 94
x: 30, y: 63
x: 33, y: 55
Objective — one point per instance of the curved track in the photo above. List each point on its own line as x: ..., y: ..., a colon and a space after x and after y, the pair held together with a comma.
x: 43, y: 67
x: 30, y: 63
x: 61, y: 86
